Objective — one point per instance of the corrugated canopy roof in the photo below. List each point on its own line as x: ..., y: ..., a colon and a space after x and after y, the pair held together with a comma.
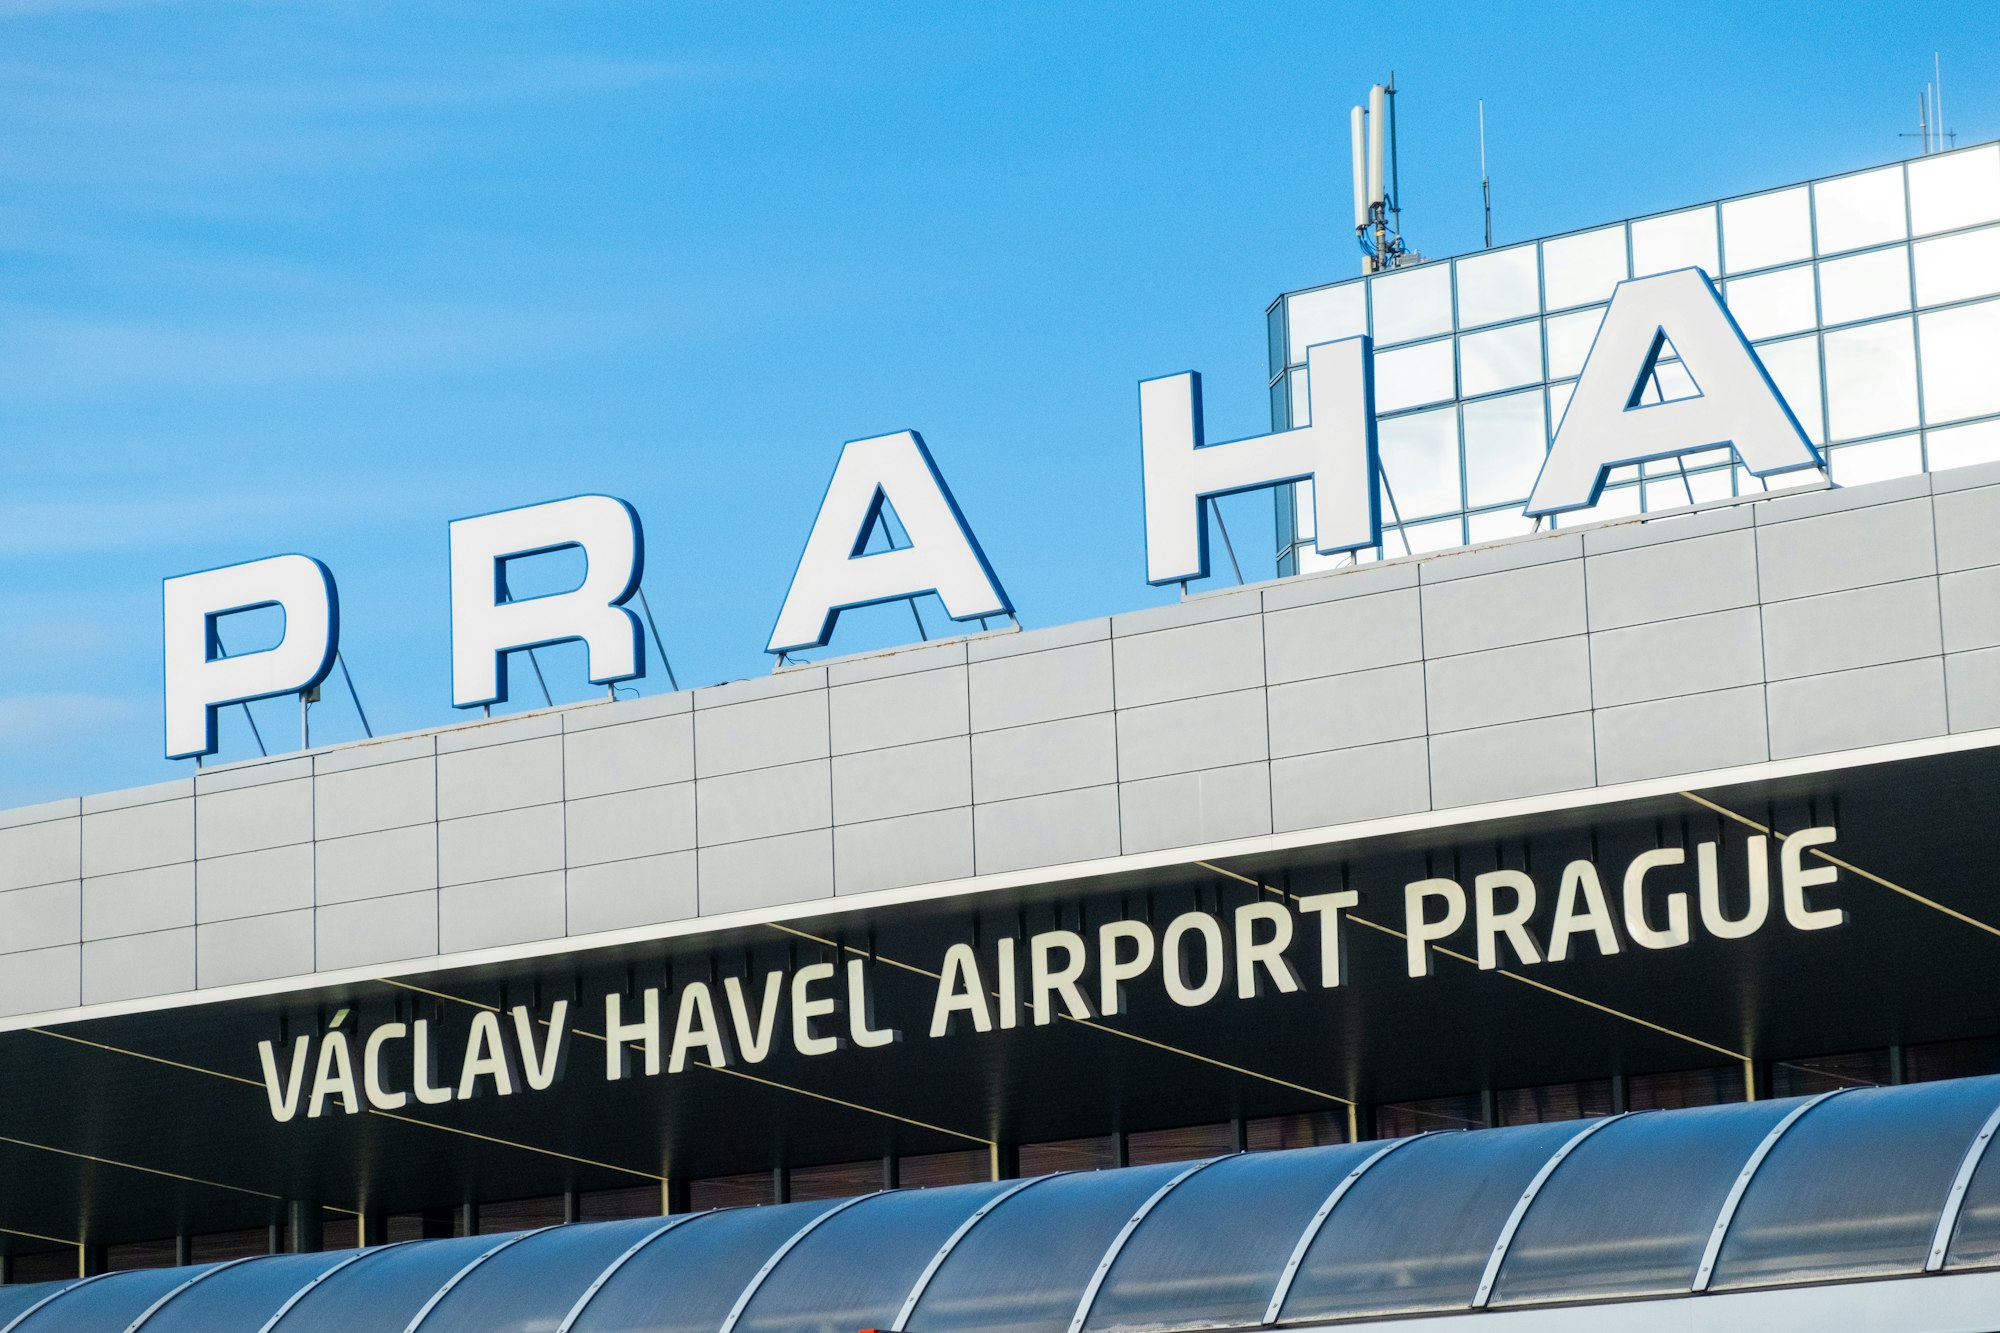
x: 1878, y: 1182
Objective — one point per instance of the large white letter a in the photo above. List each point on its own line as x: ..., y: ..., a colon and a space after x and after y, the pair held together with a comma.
x: 835, y: 574
x: 1607, y: 425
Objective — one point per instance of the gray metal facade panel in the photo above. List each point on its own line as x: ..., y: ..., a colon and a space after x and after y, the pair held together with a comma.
x: 277, y: 879
x: 1351, y: 634
x: 896, y: 853
x: 1695, y: 733
x: 1071, y: 680
x: 40, y: 853
x: 1668, y: 658
x: 1838, y: 631
x: 1504, y: 608
x: 1972, y: 689
x: 255, y: 948
x: 382, y: 796
x: 1366, y: 782
x: 1969, y: 605
x: 1799, y: 625
x: 898, y: 710
x: 644, y: 891
x: 42, y: 916
x: 1340, y: 712
x: 375, y: 865
x: 1208, y: 805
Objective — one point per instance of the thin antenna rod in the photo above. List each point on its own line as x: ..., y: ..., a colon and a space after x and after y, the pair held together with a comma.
x: 1937, y: 71
x: 1395, y: 200
x: 1485, y: 181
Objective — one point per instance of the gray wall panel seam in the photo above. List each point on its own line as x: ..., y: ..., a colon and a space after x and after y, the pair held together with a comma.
x: 1590, y: 669
x: 1424, y: 657
x: 832, y: 815
x: 437, y: 851
x: 79, y: 902
x: 971, y: 777
x: 1264, y: 675
x: 194, y: 853
x: 1937, y: 590
x: 694, y: 800
x: 1763, y: 650
x: 1117, y: 741
x: 562, y: 786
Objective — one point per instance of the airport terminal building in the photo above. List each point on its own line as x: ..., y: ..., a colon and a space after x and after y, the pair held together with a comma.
x: 1544, y: 925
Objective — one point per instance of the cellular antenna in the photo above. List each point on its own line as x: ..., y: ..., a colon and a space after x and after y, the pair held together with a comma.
x: 1357, y: 125
x: 1372, y: 143
x: 1485, y: 182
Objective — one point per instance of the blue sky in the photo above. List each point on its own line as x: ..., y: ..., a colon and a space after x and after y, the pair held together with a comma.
x: 323, y: 277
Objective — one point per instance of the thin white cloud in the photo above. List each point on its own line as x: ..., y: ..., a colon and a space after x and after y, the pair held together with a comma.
x: 170, y: 520
x: 30, y: 721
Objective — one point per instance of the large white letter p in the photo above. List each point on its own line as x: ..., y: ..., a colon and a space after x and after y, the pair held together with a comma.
x: 201, y: 677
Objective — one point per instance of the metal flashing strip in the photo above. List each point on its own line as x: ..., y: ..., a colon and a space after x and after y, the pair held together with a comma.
x: 1311, y: 1233
x: 302, y: 1292
x: 21, y: 1318
x: 1125, y: 1234
x: 611, y: 1269
x: 465, y: 1272
x: 743, y: 1300
x: 202, y: 1276
x: 1527, y: 1201
x: 1720, y: 1231
x: 923, y: 1281
x: 1954, y: 1201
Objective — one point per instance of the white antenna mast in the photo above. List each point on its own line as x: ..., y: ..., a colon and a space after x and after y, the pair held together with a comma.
x: 1937, y: 87
x: 1485, y: 182
x: 1357, y: 133
x: 1371, y: 141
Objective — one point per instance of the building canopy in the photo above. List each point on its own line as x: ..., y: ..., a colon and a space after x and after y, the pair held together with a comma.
x: 1870, y: 1183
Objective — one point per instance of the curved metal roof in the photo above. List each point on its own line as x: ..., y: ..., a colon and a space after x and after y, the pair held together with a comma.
x: 1879, y: 1182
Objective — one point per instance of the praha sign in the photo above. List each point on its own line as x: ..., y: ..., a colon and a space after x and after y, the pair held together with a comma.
x: 1606, y: 425
x: 1197, y: 957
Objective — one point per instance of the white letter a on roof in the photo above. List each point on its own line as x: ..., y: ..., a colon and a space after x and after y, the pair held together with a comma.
x: 1608, y: 424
